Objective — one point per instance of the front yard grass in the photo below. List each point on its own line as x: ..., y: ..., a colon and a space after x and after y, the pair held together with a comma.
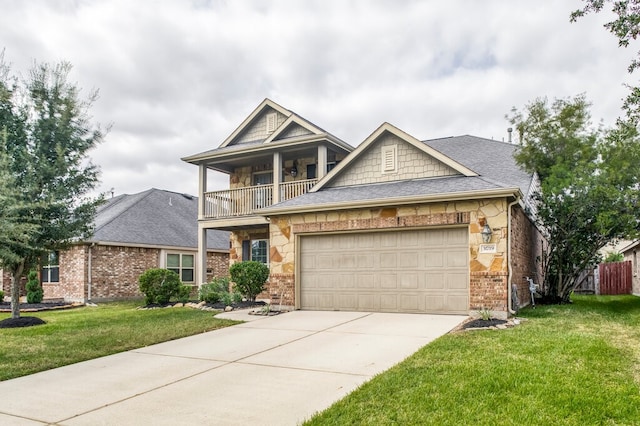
x: 575, y: 364
x: 84, y: 333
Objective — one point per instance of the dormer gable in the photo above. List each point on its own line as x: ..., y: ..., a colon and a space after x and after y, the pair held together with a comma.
x: 390, y: 154
x: 260, y: 125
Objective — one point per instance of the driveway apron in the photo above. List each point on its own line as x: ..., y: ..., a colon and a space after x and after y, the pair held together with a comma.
x: 276, y: 370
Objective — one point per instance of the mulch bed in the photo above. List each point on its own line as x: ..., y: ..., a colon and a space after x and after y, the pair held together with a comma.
x: 21, y: 322
x: 26, y: 321
x: 480, y: 323
x: 218, y: 305
x: 37, y: 307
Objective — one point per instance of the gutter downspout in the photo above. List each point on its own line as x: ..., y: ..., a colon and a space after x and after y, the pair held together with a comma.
x: 509, y: 306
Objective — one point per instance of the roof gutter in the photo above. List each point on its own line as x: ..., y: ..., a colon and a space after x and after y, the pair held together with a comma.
x: 395, y: 201
x: 254, y: 149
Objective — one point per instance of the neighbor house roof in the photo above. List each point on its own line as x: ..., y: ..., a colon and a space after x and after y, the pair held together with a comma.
x: 630, y: 246
x: 496, y: 173
x: 154, y: 218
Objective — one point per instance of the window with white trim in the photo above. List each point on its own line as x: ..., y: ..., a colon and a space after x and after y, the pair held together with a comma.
x: 260, y: 251
x: 50, y: 271
x: 183, y: 265
x: 389, y: 159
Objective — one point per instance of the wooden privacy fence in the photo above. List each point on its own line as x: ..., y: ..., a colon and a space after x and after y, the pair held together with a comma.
x: 615, y: 278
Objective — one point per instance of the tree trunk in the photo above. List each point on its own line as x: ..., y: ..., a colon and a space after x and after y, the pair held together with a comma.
x: 15, y: 290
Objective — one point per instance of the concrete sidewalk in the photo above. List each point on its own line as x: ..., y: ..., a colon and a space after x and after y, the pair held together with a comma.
x: 276, y: 370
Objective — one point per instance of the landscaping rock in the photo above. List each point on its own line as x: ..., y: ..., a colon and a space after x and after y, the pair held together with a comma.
x: 228, y: 308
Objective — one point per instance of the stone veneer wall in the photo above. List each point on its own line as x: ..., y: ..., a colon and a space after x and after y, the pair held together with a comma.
x: 488, y: 271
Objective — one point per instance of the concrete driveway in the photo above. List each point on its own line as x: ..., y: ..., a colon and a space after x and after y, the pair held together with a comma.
x: 276, y: 370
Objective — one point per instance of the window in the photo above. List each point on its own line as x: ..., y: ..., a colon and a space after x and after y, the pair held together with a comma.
x: 50, y: 272
x: 389, y: 161
x: 183, y: 265
x: 260, y: 251
x: 256, y: 250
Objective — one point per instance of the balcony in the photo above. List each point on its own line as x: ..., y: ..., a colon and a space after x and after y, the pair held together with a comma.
x: 249, y: 200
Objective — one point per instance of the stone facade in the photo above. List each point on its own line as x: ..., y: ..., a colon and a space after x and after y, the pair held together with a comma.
x: 488, y: 270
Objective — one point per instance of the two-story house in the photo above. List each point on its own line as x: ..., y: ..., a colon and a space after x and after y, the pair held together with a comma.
x: 396, y: 225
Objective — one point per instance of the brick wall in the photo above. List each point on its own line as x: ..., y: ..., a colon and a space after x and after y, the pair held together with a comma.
x: 218, y: 264
x: 526, y: 246
x: 5, y: 284
x: 73, y: 276
x: 115, y: 270
x: 488, y: 290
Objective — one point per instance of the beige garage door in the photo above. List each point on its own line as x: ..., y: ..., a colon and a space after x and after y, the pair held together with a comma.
x: 422, y: 271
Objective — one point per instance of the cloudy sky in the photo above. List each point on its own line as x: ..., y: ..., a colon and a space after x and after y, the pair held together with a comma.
x: 177, y: 77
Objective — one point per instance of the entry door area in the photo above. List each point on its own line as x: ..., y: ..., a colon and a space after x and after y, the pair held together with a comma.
x: 410, y: 271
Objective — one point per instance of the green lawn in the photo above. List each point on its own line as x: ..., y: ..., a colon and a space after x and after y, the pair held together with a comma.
x: 574, y: 364
x: 80, y: 334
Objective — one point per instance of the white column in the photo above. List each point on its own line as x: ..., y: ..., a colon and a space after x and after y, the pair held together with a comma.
x: 322, y: 162
x: 201, y: 260
x: 277, y: 176
x: 202, y: 188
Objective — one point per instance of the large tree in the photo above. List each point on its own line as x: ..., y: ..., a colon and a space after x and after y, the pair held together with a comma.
x: 626, y: 27
x: 589, y: 185
x: 47, y: 135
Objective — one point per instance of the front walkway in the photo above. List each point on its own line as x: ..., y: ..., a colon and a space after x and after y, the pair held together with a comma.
x: 275, y: 370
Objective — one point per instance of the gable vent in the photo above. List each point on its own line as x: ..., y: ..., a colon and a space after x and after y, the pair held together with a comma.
x: 389, y: 159
x: 272, y: 122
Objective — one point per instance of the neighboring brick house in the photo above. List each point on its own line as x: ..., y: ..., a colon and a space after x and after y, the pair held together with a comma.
x: 151, y: 229
x: 396, y: 225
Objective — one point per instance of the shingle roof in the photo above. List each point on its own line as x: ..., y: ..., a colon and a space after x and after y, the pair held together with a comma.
x: 489, y: 158
x: 493, y: 162
x: 154, y: 217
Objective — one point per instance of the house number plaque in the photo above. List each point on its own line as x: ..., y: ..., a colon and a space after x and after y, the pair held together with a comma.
x: 488, y: 248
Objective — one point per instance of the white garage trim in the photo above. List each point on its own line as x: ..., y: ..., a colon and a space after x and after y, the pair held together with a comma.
x: 417, y: 270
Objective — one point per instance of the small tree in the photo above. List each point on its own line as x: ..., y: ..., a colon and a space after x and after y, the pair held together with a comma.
x: 46, y: 133
x: 613, y: 256
x: 160, y: 285
x: 34, y: 289
x: 249, y: 278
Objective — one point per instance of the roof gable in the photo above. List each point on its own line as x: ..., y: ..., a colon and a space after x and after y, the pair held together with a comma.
x: 405, y: 158
x: 292, y: 127
x: 259, y: 125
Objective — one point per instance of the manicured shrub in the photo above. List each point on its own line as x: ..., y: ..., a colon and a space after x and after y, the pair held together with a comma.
x: 249, y: 278
x: 218, y: 291
x: 160, y: 285
x: 1, y: 295
x: 34, y: 290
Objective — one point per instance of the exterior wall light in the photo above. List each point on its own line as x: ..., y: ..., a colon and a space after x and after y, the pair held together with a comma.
x: 486, y: 233
x: 294, y: 169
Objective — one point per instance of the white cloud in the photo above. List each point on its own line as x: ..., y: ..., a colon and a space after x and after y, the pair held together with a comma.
x: 177, y: 78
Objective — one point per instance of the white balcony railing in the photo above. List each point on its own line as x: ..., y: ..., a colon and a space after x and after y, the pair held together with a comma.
x: 250, y: 199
